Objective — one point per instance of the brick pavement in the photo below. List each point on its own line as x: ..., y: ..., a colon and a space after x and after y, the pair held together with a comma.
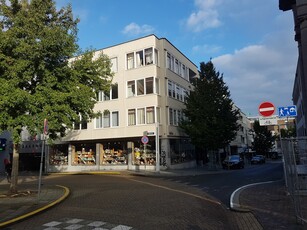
x: 269, y: 205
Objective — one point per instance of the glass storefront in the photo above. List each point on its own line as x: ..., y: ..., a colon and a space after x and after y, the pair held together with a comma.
x: 114, y: 153
x: 83, y: 154
x: 181, y: 150
x: 144, y: 154
x: 58, y: 154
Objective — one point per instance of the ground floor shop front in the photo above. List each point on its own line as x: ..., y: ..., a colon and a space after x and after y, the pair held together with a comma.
x: 120, y: 154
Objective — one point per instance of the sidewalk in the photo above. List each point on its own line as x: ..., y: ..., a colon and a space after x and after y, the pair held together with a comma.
x: 266, y: 206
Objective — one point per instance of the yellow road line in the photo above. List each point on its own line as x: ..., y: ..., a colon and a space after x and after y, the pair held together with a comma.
x: 66, y: 193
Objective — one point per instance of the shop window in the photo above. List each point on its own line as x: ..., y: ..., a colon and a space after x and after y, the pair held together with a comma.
x: 58, y: 155
x: 131, y: 117
x: 113, y: 153
x: 83, y: 155
x: 144, y: 155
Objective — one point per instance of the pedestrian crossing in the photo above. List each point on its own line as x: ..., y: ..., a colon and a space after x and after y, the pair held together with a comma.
x: 82, y: 224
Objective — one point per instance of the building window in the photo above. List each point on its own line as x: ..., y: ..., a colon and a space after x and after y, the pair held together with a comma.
x: 106, y: 119
x: 158, y: 115
x: 140, y: 87
x: 131, y: 117
x: 149, y: 85
x: 114, y: 65
x: 141, y: 116
x: 170, y: 88
x: 139, y: 58
x: 156, y: 57
x: 115, y: 119
x: 80, y: 124
x: 99, y: 122
x: 130, y: 61
x: 149, y: 56
x: 109, y: 95
x: 114, y: 91
x: 131, y: 88
x: 150, y: 115
x: 157, y: 86
x: 106, y: 96
x: 175, y: 117
x: 171, y: 116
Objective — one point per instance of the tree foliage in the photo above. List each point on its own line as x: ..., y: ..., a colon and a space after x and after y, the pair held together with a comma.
x: 263, y: 140
x: 39, y: 78
x: 211, y: 118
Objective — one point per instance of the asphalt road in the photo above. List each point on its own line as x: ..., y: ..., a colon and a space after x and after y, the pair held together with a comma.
x: 130, y: 202
x: 222, y: 185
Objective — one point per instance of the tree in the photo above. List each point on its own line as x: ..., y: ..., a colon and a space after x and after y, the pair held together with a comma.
x: 210, y: 115
x: 43, y: 73
x: 263, y: 140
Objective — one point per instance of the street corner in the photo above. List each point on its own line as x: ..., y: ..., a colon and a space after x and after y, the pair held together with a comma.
x: 24, y: 207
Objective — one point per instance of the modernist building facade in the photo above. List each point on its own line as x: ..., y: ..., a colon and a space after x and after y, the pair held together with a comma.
x: 152, y: 78
x: 299, y: 8
x: 139, y: 121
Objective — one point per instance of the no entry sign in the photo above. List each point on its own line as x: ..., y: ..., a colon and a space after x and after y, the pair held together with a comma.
x: 266, y: 109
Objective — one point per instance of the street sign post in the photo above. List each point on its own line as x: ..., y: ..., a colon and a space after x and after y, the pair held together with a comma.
x: 266, y: 109
x: 263, y: 121
x: 144, y: 139
x: 289, y: 111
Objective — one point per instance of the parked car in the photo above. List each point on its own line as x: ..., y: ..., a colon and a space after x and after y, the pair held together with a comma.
x: 258, y: 159
x: 233, y: 162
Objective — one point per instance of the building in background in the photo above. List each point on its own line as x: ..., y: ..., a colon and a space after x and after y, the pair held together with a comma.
x: 151, y: 81
x: 299, y: 8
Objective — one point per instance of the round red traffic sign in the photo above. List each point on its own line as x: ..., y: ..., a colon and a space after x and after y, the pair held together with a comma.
x: 266, y: 109
x: 144, y: 139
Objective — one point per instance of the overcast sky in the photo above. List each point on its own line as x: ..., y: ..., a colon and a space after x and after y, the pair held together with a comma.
x: 250, y: 42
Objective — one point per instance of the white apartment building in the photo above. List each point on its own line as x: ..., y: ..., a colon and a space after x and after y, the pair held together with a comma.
x: 152, y: 78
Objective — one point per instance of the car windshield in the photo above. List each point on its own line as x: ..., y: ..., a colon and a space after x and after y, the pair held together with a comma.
x: 234, y: 158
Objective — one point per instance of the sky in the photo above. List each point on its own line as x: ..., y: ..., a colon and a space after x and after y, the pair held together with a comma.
x: 250, y: 42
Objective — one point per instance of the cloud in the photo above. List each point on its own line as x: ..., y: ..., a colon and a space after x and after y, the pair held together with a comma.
x: 134, y: 29
x: 258, y: 73
x: 206, y: 16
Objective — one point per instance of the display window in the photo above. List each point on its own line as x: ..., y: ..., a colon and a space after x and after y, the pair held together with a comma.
x: 113, y: 153
x: 181, y: 150
x: 58, y: 155
x: 83, y: 154
x: 144, y: 154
